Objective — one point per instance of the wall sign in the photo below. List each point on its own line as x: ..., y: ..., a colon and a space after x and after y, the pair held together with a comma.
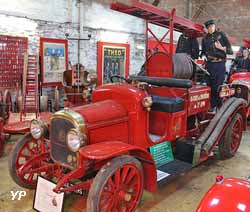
x: 54, y: 60
x: 113, y: 59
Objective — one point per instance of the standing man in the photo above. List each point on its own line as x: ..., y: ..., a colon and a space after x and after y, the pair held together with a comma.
x: 215, y: 46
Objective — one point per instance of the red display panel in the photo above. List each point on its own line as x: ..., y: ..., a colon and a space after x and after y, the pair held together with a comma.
x: 12, y: 50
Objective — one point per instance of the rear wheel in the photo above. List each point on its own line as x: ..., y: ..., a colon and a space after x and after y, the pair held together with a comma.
x: 118, y: 186
x: 25, y: 159
x: 231, y: 139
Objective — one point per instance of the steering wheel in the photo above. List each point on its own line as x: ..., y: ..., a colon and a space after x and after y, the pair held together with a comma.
x: 118, y: 77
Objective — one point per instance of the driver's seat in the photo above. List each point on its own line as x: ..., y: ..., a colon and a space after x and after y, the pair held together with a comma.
x: 167, y: 104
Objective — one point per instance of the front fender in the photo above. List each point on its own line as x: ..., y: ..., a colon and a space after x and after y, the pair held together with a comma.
x: 109, y: 150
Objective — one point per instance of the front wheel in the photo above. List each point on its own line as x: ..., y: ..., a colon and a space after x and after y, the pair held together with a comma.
x: 26, y: 161
x: 118, y: 186
x: 231, y: 139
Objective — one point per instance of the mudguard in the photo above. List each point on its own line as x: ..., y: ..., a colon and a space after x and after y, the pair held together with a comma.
x: 109, y: 150
x: 220, y: 121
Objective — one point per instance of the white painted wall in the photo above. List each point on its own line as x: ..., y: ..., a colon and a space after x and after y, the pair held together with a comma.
x: 53, y: 18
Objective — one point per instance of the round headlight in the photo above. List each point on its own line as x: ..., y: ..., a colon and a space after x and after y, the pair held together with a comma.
x: 75, y: 140
x: 36, y: 129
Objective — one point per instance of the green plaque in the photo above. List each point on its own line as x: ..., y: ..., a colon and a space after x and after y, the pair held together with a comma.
x: 162, y: 153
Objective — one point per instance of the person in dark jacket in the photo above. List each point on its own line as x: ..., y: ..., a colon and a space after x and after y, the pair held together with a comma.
x: 188, y: 45
x: 215, y: 46
x: 244, y: 62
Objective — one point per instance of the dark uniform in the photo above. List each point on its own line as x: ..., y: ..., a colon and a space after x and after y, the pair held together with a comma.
x: 243, y: 65
x: 188, y: 45
x: 216, y: 60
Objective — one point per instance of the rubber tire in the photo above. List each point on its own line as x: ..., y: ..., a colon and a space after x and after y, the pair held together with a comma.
x: 12, y: 163
x: 103, y: 175
x: 225, y: 143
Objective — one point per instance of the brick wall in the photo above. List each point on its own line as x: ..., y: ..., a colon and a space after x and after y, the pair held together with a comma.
x: 232, y: 16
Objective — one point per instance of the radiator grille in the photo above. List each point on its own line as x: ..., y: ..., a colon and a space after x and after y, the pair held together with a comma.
x: 59, y: 149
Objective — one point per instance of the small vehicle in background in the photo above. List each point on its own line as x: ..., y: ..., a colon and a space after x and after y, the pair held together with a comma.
x: 227, y: 195
x: 238, y: 86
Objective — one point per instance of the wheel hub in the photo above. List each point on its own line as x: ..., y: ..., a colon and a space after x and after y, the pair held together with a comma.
x: 125, y: 196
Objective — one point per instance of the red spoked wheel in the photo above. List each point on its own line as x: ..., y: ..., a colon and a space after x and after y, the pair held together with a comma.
x: 231, y: 140
x: 118, y: 186
x: 27, y: 161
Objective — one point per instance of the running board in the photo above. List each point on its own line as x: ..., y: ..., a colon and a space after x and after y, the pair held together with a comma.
x: 167, y: 172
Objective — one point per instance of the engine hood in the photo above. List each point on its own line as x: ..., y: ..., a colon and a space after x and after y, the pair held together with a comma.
x: 232, y: 195
x: 103, y: 111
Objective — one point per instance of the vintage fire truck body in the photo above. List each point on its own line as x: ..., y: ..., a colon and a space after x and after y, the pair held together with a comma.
x: 105, y: 147
x: 239, y: 87
x: 228, y: 194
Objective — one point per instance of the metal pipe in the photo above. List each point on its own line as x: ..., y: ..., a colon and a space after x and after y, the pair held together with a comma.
x: 189, y: 9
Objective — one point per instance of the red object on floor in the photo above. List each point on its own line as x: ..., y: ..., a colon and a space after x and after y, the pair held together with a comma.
x: 17, y: 126
x: 230, y: 195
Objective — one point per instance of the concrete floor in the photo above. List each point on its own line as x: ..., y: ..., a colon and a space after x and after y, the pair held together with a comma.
x: 183, y: 194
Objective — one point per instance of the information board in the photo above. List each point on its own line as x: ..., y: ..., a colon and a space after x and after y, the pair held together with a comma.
x: 162, y: 153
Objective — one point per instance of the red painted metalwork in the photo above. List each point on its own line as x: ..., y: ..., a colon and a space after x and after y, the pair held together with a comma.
x: 159, y: 64
x: 162, y: 18
x: 199, y: 99
x: 154, y: 44
x: 157, y: 16
x: 236, y: 135
x: 243, y: 79
x: 229, y: 195
x: 32, y: 160
x: 12, y: 50
x: 14, y: 126
x: 244, y: 76
x: 246, y: 42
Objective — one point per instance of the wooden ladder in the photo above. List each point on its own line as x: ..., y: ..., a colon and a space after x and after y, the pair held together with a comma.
x: 30, y: 87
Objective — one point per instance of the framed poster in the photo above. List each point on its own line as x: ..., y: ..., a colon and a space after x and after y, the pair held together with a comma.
x: 54, y: 60
x: 113, y: 59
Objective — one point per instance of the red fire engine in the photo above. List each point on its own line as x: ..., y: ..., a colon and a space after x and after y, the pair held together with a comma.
x: 135, y: 134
